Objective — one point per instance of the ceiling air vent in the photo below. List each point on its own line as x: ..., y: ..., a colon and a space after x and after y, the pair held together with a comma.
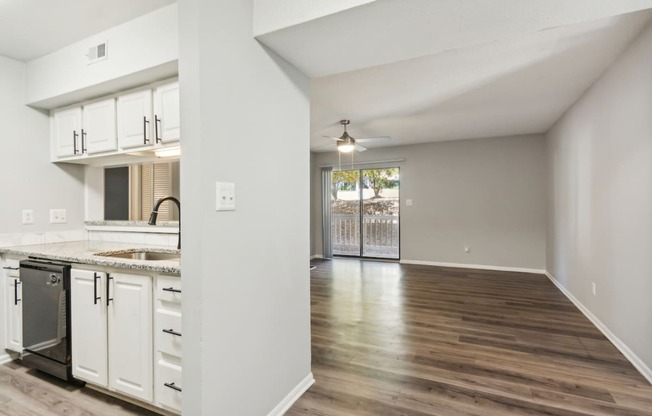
x: 97, y: 53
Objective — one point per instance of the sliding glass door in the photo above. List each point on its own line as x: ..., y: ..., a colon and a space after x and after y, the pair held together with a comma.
x: 365, y: 213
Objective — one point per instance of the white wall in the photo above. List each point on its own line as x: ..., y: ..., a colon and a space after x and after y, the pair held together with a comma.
x: 600, y: 200
x: 139, y: 51
x: 246, y: 280
x: 485, y: 193
x: 29, y: 180
x: 271, y: 15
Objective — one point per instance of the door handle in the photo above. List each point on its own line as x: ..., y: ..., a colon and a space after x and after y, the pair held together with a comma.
x: 74, y: 141
x: 172, y: 332
x: 171, y: 289
x: 108, y: 289
x: 83, y: 146
x: 95, y: 297
x: 157, y: 122
x: 145, y: 123
x: 16, y: 283
x: 172, y: 386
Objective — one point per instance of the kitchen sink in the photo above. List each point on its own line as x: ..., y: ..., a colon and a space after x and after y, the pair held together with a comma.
x: 140, y: 255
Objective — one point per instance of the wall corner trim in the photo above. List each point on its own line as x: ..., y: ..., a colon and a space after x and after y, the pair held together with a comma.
x: 622, y: 347
x: 473, y: 266
x: 292, y: 396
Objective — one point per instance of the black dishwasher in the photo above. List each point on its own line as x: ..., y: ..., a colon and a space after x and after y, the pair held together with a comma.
x: 46, y: 317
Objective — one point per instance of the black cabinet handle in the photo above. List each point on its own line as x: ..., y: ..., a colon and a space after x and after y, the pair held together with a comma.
x: 10, y: 268
x: 145, y: 123
x: 108, y: 286
x: 95, y: 297
x: 171, y: 289
x: 83, y: 145
x: 172, y: 386
x: 157, y: 121
x: 172, y: 332
x: 74, y: 141
x: 16, y: 283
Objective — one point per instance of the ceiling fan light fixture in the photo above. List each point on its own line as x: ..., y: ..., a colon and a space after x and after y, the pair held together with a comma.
x: 345, y: 147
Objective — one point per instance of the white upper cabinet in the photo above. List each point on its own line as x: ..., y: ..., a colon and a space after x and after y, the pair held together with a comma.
x: 135, y: 119
x: 118, y: 129
x: 99, y: 133
x: 66, y: 132
x: 166, y: 113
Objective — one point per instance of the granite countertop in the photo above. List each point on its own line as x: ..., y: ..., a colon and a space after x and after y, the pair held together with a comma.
x: 84, y: 252
x: 114, y: 223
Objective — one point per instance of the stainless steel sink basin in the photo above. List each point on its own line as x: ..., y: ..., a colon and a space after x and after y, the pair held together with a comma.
x: 141, y: 255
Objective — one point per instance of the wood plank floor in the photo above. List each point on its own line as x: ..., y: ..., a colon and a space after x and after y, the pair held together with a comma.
x: 28, y: 392
x: 390, y: 339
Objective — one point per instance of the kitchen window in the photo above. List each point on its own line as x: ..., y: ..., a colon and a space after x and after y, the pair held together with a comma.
x: 130, y: 192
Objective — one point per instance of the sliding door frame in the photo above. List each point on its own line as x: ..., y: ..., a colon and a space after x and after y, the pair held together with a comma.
x: 361, y: 215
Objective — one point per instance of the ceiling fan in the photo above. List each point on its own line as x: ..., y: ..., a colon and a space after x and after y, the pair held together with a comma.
x: 347, y: 144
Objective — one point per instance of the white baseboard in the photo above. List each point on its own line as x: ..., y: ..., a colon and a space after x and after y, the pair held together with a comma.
x: 316, y: 256
x: 622, y: 347
x: 4, y: 359
x: 473, y: 266
x: 292, y: 396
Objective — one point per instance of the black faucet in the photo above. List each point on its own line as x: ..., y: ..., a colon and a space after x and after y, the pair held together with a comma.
x: 154, y: 214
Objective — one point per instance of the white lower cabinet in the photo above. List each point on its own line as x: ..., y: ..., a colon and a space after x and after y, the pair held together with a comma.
x: 168, y: 331
x: 13, y: 306
x: 111, y: 318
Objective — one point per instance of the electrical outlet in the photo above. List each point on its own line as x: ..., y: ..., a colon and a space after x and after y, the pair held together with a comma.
x: 467, y: 249
x: 28, y: 216
x: 58, y: 216
x: 225, y: 192
x: 593, y: 288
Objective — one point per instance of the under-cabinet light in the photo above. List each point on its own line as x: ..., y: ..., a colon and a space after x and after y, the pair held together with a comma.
x: 168, y: 152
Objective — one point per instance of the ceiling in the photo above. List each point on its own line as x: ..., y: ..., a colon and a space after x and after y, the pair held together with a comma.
x: 33, y: 28
x: 454, y: 69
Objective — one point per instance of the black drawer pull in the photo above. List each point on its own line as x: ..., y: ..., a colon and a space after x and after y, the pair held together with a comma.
x: 10, y: 268
x: 172, y: 386
x: 16, y: 283
x: 171, y: 289
x: 96, y: 277
x: 172, y: 332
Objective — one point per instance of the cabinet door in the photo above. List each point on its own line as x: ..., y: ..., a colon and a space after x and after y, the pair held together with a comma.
x: 134, y: 119
x: 100, y: 133
x: 14, y: 315
x: 89, y: 326
x: 166, y: 113
x: 130, y: 335
x: 66, y: 132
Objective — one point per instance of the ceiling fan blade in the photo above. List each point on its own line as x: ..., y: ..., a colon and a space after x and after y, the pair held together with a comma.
x: 326, y: 146
x: 373, y: 139
x: 333, y: 138
x: 359, y: 148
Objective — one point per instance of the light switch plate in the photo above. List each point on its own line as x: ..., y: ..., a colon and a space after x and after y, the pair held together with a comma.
x: 58, y: 216
x: 225, y: 192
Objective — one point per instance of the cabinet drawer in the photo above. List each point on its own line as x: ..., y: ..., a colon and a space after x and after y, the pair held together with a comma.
x: 168, y: 384
x: 12, y: 267
x: 168, y: 324
x: 168, y: 289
